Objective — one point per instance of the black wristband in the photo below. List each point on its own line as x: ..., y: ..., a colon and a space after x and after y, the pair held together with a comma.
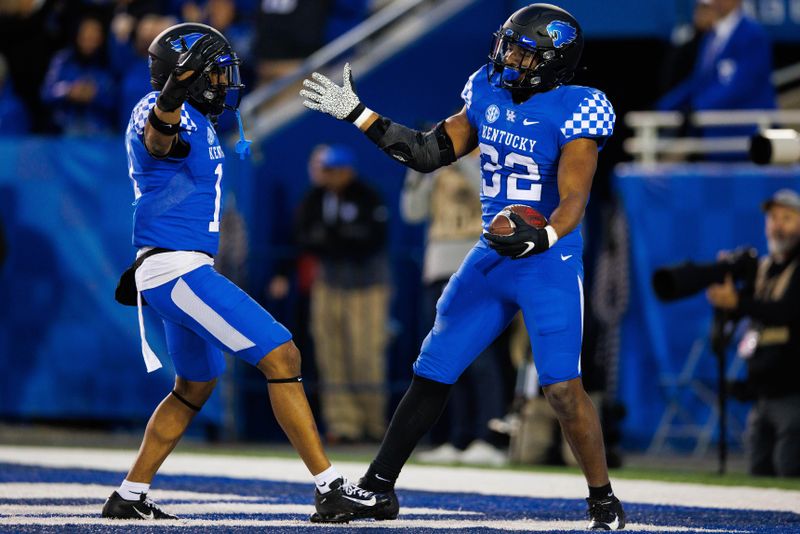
x: 377, y: 130
x: 355, y: 113
x: 162, y: 126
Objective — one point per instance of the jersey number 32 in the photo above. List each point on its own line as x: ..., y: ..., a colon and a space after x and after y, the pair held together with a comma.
x: 534, y: 193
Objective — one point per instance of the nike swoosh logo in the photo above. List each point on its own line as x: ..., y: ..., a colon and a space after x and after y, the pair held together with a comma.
x: 529, y: 246
x: 565, y: 258
x: 526, y: 122
x: 614, y: 524
x: 370, y: 502
x: 381, y: 478
x: 145, y: 516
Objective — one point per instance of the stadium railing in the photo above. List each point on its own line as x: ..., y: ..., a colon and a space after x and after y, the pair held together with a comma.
x: 255, y: 105
x: 649, y: 145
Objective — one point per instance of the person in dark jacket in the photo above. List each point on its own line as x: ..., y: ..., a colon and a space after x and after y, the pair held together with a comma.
x: 79, y: 86
x: 342, y: 221
x: 771, y: 346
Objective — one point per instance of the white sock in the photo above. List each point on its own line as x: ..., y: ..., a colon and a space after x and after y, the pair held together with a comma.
x: 324, y: 479
x: 130, y: 491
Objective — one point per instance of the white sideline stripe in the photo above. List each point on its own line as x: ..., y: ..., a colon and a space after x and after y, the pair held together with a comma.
x: 199, y: 509
x: 192, y: 305
x: 580, y: 290
x: 527, y: 525
x: 51, y: 491
x: 424, y: 478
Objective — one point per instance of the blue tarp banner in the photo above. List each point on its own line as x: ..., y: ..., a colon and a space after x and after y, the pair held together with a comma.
x: 677, y: 213
x: 67, y: 349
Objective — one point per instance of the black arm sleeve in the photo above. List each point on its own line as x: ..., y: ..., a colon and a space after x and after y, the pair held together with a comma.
x: 422, y: 151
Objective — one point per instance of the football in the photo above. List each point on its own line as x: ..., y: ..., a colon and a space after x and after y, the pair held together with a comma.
x: 503, y: 225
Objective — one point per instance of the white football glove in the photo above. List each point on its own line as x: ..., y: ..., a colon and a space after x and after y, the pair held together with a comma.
x: 327, y: 97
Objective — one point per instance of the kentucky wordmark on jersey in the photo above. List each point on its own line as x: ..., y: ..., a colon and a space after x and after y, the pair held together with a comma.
x: 521, y: 143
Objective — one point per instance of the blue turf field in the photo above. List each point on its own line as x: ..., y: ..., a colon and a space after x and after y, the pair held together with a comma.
x: 462, y: 512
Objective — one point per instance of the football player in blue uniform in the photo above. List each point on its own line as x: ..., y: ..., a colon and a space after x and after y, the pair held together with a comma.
x: 539, y: 141
x: 175, y: 162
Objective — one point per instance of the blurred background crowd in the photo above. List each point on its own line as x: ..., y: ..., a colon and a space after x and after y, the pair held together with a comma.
x: 79, y: 67
x: 351, y: 252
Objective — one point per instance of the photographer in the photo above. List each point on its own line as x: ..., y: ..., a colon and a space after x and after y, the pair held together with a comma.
x: 771, y: 346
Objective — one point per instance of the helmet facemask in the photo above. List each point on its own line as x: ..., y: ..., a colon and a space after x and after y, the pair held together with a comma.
x: 519, y: 64
x: 219, y: 88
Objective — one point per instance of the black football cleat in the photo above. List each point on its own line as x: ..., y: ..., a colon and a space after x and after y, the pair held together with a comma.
x: 392, y: 509
x: 346, y: 501
x: 606, y: 514
x: 118, y: 508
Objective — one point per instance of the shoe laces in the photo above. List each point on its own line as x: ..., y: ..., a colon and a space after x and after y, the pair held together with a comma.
x: 147, y: 501
x: 353, y: 490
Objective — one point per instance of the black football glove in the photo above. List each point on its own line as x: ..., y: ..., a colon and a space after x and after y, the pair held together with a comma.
x: 196, y: 60
x: 525, y: 241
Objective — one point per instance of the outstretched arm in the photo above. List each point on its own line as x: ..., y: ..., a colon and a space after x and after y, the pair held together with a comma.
x: 421, y: 151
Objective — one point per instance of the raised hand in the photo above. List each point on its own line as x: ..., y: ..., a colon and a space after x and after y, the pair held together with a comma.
x: 192, y: 63
x: 323, y: 95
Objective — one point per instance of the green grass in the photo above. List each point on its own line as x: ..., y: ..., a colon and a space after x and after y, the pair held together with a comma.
x: 663, y: 474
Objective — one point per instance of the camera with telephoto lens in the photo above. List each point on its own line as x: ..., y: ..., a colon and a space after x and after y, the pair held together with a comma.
x: 686, y: 279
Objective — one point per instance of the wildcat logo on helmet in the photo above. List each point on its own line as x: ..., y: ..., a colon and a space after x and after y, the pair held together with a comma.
x: 562, y: 33
x: 190, y: 39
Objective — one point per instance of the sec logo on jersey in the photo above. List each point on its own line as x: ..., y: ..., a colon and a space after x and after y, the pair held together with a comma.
x: 210, y: 136
x: 492, y: 113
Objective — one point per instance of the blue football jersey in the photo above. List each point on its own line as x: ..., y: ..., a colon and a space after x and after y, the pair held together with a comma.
x: 177, y: 200
x: 521, y: 144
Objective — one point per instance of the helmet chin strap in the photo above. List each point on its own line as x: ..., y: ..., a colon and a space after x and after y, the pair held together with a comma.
x: 243, y: 144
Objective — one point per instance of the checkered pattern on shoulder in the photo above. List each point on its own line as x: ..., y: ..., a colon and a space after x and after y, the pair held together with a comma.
x: 594, y: 117
x: 466, y: 94
x: 142, y: 110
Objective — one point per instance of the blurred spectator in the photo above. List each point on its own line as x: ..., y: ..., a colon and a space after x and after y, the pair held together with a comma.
x: 135, y: 74
x: 29, y: 32
x: 685, y: 45
x: 224, y: 16
x: 79, y: 86
x: 13, y: 117
x: 191, y: 12
x: 771, y: 346
x: 343, y: 222
x: 288, y: 31
x: 732, y: 69
x: 304, y: 268
x: 449, y: 200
